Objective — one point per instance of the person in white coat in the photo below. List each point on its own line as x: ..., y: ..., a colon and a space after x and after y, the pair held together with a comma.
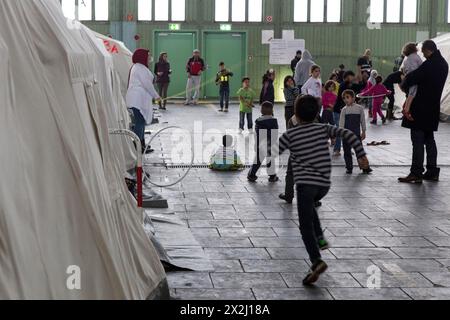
x: 141, y: 93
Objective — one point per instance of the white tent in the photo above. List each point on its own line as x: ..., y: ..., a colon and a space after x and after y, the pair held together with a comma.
x: 63, y: 201
x: 122, y: 58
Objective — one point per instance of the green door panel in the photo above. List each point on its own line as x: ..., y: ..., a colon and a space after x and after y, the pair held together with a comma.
x: 179, y: 47
x: 229, y: 47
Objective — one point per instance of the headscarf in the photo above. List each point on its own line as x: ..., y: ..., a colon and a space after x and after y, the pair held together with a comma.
x: 139, y: 56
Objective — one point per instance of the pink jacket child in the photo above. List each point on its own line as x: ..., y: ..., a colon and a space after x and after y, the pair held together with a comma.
x: 377, y: 90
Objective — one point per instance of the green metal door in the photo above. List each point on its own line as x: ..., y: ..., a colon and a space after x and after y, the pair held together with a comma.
x: 179, y: 47
x: 229, y: 47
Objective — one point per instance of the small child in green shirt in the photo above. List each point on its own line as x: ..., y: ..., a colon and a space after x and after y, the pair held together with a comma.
x: 246, y: 98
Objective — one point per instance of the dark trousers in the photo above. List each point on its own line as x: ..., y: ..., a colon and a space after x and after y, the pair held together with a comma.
x: 288, y: 114
x: 224, y: 97
x: 328, y: 117
x: 391, y: 98
x: 242, y: 116
x: 162, y: 90
x: 348, y: 154
x: 289, y: 187
x: 139, y: 126
x: 310, y: 228
x: 421, y: 140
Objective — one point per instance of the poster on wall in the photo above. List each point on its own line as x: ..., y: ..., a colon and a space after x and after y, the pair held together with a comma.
x: 267, y: 36
x: 283, y: 51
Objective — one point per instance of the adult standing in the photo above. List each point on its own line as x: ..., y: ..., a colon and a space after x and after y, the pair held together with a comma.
x: 163, y: 72
x: 294, y: 61
x: 303, y: 69
x: 422, y: 118
x: 140, y: 93
x: 364, y: 63
x: 195, y: 67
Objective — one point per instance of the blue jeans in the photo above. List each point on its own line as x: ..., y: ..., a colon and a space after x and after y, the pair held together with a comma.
x: 224, y: 97
x: 338, y: 145
x: 139, y: 124
x: 242, y: 116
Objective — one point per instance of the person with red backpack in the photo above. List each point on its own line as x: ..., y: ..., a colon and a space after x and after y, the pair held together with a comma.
x: 194, y: 68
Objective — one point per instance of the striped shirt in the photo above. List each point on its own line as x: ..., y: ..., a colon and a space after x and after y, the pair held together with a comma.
x: 310, y: 154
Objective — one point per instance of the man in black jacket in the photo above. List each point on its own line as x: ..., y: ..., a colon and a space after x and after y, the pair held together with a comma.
x: 423, y: 116
x: 294, y: 61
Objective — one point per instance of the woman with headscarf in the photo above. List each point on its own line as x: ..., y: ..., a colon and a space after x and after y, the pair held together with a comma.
x: 163, y: 72
x: 140, y: 94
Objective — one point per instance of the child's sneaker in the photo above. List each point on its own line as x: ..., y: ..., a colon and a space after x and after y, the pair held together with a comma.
x: 226, y: 110
x: 252, y: 178
x: 274, y: 179
x: 220, y: 110
x: 374, y: 122
x: 317, y: 269
x: 349, y: 171
x: 241, y: 131
x: 384, y: 120
x: 251, y: 131
x: 323, y: 244
x: 283, y: 197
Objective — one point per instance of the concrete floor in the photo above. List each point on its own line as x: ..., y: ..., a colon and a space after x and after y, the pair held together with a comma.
x: 372, y: 223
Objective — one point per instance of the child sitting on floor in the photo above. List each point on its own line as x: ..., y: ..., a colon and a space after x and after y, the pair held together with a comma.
x: 226, y: 157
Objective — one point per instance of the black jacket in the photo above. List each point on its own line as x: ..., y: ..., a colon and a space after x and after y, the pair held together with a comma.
x: 294, y: 64
x: 267, y: 92
x: 392, y: 79
x: 163, y: 67
x: 265, y: 127
x: 430, y: 78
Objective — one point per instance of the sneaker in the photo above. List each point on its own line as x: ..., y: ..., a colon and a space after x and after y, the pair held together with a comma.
x: 432, y: 177
x: 373, y: 122
x: 251, y: 131
x: 220, y: 110
x: 317, y: 269
x: 241, y: 131
x: 252, y: 178
x: 412, y: 179
x: 323, y: 244
x: 384, y: 120
x: 274, y: 179
x: 187, y: 103
x: 283, y: 197
x: 226, y: 110
x: 349, y: 171
x: 367, y: 171
x: 149, y: 150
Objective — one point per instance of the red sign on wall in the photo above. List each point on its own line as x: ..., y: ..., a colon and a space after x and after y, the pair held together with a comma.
x: 269, y: 19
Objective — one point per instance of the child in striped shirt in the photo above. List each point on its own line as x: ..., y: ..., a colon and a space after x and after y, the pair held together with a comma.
x: 311, y: 165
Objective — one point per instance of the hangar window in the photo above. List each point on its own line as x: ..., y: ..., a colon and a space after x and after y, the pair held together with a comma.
x: 317, y: 10
x: 393, y: 11
x: 238, y: 10
x: 86, y: 10
x: 162, y: 10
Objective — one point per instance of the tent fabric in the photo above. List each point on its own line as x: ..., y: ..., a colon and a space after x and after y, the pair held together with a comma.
x: 63, y: 199
x: 122, y: 58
